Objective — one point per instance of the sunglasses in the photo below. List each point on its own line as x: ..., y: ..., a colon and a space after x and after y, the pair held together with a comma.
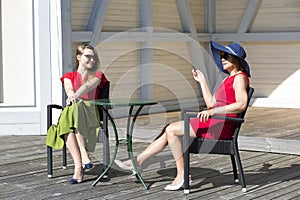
x: 88, y: 56
x: 224, y: 55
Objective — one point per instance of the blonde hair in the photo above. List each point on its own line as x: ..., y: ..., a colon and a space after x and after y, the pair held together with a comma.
x: 91, y: 72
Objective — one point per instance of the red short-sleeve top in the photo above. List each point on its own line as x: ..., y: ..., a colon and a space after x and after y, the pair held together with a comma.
x: 77, y: 82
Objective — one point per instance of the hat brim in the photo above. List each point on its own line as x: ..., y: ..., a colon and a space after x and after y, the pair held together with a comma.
x: 216, y: 48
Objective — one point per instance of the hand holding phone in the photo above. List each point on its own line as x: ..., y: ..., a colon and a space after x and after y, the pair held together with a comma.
x: 195, y: 69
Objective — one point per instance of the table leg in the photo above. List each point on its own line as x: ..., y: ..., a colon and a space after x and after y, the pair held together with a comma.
x: 106, y: 153
x: 115, y: 149
x: 130, y: 125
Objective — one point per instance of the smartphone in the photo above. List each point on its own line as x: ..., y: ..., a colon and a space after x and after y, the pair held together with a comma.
x: 195, y: 68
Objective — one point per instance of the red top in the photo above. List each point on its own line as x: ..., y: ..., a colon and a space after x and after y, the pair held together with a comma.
x: 215, y: 128
x: 77, y: 82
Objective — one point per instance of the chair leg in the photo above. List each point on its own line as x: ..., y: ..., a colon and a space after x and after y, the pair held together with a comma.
x: 49, y: 162
x: 235, y: 175
x: 241, y: 172
x: 105, y: 136
x: 64, y: 152
x: 186, y: 173
x: 186, y: 154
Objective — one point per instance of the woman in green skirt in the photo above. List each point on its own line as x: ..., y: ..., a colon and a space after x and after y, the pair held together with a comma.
x: 79, y: 120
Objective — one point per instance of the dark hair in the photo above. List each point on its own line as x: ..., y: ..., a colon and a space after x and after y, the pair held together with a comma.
x: 239, y: 65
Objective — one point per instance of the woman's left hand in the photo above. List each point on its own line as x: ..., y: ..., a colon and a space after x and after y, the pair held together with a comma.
x: 204, y: 115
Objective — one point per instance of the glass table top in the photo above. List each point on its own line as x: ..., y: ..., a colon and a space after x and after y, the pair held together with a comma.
x: 124, y: 102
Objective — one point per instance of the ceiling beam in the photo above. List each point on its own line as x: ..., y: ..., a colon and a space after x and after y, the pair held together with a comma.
x: 85, y: 36
x: 210, y: 16
x: 97, y: 19
x: 195, y: 49
x: 249, y: 16
x: 258, y: 37
x: 186, y: 18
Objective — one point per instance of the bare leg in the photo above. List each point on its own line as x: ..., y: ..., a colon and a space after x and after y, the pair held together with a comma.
x: 71, y: 143
x: 83, y: 152
x: 171, y: 137
x: 173, y: 132
x: 155, y: 147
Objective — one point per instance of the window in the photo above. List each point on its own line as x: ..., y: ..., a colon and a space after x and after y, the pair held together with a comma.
x: 1, y: 66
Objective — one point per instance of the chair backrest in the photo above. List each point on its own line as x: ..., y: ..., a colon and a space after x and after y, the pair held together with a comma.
x: 103, y: 94
x: 242, y: 114
x: 250, y: 93
x: 104, y: 91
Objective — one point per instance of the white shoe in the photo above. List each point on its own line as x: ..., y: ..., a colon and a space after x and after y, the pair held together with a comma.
x: 123, y: 166
x: 174, y: 187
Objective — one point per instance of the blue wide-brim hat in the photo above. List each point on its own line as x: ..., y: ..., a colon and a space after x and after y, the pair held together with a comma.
x: 233, y: 49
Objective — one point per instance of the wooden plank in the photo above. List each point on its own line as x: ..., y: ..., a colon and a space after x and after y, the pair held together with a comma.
x: 268, y: 175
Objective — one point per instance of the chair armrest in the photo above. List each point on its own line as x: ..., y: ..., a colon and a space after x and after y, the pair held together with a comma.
x: 191, y: 110
x: 235, y: 119
x: 50, y: 106
x: 49, y: 113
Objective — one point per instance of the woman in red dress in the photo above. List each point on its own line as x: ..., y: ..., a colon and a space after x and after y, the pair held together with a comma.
x: 78, y: 122
x: 230, y: 99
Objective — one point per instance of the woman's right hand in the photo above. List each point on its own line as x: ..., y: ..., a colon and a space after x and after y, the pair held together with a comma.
x: 72, y: 99
x: 198, y: 76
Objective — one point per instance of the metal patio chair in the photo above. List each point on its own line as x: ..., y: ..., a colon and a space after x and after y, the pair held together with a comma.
x: 207, y: 146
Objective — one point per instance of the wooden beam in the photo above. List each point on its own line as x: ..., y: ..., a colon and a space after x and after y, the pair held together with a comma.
x: 210, y: 16
x: 258, y: 37
x: 249, y: 16
x: 97, y: 19
x: 66, y: 37
x: 66, y: 30
x: 146, y: 52
x: 210, y: 27
x: 83, y: 36
x: 195, y: 49
x: 186, y: 18
x: 1, y: 63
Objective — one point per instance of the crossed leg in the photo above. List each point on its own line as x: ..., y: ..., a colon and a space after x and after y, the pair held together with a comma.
x: 170, y: 136
x: 76, y: 146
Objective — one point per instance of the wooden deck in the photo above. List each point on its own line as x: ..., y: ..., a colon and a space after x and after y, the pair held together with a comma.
x: 23, y: 167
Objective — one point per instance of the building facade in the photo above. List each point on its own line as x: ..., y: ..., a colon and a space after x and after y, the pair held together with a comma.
x: 146, y: 47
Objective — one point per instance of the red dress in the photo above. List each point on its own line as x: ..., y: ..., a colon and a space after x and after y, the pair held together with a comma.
x: 77, y: 82
x: 215, y: 128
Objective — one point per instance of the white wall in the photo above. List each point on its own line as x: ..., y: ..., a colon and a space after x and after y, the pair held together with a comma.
x: 26, y: 66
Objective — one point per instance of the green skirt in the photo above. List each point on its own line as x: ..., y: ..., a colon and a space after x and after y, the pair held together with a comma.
x: 82, y: 116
